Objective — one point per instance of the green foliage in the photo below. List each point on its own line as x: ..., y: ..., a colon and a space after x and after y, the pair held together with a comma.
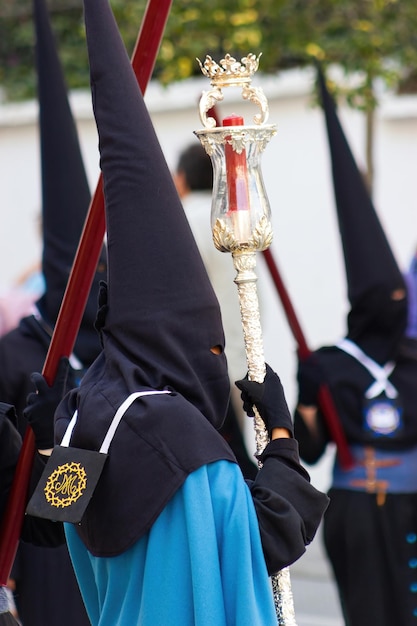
x: 377, y: 38
x: 17, y: 47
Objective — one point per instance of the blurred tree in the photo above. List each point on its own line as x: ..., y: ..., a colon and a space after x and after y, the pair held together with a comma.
x: 375, y: 39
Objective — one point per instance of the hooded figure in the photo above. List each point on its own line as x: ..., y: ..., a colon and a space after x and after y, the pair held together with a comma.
x: 47, y: 591
x: 65, y: 201
x: 158, y: 393
x: 372, y: 382
x: 376, y: 320
x: 65, y: 192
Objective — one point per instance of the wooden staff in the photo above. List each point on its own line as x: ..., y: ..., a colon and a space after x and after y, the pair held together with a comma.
x: 325, y: 399
x: 76, y: 293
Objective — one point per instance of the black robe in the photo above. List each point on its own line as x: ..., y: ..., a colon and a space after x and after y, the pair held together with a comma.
x: 372, y: 548
x: 23, y: 351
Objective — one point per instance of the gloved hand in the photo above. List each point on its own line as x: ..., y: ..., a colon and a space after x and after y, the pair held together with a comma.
x: 310, y: 377
x: 269, y: 399
x: 41, y: 405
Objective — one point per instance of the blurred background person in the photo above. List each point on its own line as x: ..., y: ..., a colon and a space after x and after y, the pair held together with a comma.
x: 370, y: 526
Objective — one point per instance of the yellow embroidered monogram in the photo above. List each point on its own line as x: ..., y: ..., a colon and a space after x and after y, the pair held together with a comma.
x: 66, y: 484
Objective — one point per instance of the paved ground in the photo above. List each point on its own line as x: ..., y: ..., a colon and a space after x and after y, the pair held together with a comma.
x: 315, y: 596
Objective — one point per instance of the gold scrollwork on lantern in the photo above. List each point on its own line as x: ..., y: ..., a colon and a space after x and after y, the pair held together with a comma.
x: 239, y: 138
x: 224, y: 238
x: 231, y: 73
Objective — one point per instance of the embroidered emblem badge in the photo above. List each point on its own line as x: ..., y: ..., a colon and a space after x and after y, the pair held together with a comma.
x: 66, y: 484
x: 382, y: 416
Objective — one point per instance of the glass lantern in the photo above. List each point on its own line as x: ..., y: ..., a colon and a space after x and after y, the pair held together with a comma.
x: 241, y: 224
x: 240, y: 210
x: 240, y: 214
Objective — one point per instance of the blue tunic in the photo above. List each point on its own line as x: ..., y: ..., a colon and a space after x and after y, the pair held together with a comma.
x: 200, y: 564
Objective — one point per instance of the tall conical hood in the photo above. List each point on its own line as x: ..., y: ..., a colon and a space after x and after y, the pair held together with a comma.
x: 159, y: 323
x: 163, y: 317
x: 375, y: 285
x: 368, y: 257
x: 65, y: 191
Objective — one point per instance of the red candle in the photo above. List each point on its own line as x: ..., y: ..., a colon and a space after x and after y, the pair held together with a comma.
x: 236, y: 171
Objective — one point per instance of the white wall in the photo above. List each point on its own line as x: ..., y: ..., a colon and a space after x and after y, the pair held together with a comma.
x: 297, y: 176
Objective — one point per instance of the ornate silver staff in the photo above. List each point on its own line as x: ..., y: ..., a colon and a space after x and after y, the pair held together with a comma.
x: 241, y: 224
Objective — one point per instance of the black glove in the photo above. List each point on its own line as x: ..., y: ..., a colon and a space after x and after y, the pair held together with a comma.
x: 310, y: 377
x: 41, y: 405
x: 269, y: 399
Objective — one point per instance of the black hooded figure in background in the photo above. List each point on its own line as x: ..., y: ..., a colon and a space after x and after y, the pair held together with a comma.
x: 46, y: 588
x: 370, y: 527
x: 172, y: 534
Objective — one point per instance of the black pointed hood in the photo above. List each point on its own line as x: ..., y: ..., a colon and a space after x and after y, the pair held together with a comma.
x: 372, y: 272
x: 65, y: 191
x: 163, y: 316
x: 158, y: 325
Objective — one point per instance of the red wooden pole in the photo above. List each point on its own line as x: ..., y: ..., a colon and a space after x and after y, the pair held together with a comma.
x: 303, y: 349
x: 77, y: 291
x: 325, y: 399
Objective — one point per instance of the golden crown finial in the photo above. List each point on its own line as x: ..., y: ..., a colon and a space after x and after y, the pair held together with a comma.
x: 229, y: 71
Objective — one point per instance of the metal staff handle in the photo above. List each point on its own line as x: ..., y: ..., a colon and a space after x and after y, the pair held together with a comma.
x: 244, y: 263
x: 234, y: 149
